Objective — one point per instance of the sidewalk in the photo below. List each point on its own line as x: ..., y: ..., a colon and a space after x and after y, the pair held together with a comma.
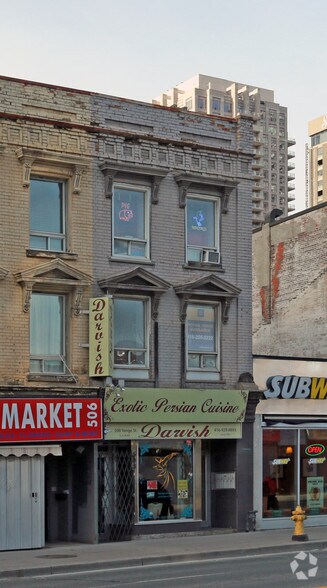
x: 153, y: 549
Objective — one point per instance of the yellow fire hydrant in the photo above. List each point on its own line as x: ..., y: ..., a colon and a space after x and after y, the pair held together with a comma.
x: 298, y: 517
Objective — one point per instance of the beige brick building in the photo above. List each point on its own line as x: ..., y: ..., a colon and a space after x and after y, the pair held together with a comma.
x: 316, y: 180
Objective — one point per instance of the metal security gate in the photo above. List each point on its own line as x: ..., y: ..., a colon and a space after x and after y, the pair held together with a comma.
x: 21, y: 502
x: 116, y: 492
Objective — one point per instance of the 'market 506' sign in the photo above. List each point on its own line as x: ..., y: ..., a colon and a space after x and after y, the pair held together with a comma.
x: 50, y: 419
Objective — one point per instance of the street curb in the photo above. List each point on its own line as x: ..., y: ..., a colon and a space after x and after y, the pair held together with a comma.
x: 161, y: 559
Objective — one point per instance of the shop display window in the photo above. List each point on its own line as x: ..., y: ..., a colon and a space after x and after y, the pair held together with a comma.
x: 294, y: 471
x: 165, y: 480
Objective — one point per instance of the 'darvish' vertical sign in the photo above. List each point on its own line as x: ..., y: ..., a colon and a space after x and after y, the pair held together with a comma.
x: 100, y: 336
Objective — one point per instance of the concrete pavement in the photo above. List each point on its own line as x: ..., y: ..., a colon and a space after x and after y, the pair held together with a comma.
x: 154, y: 549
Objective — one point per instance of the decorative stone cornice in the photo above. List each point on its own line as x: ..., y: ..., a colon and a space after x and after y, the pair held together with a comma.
x: 111, y: 170
x: 210, y: 288
x: 54, y: 275
x: 137, y: 281
x: 188, y: 182
x: 3, y: 273
x: 30, y: 157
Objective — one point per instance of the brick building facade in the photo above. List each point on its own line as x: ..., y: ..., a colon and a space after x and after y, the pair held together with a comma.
x: 146, y: 209
x: 290, y: 360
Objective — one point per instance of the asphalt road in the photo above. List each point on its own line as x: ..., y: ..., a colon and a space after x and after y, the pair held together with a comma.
x: 268, y: 571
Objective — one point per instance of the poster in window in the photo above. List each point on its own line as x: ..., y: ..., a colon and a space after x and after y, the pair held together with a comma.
x: 201, y: 222
x: 182, y: 488
x: 315, y: 492
x: 129, y: 214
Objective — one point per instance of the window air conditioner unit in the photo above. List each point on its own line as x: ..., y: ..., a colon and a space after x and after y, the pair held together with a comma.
x: 211, y: 257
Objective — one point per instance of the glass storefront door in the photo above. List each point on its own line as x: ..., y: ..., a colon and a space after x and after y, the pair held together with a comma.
x: 294, y: 471
x: 165, y: 480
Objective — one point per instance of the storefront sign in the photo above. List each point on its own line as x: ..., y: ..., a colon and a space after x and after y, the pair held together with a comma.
x: 100, y: 311
x: 315, y: 449
x: 296, y: 387
x: 163, y: 405
x: 281, y: 461
x: 50, y: 419
x: 175, y: 431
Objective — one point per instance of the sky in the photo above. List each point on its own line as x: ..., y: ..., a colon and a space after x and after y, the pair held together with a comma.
x: 140, y: 48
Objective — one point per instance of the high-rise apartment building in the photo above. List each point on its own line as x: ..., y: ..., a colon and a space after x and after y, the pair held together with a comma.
x: 272, y: 164
x: 316, y: 177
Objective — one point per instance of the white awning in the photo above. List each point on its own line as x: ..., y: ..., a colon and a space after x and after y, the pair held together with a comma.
x: 30, y: 450
x: 293, y: 406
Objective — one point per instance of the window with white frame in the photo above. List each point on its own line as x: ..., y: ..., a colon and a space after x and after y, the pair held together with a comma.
x: 47, y: 215
x: 131, y: 332
x: 130, y: 221
x: 202, y: 229
x: 202, y: 337
x: 47, y: 334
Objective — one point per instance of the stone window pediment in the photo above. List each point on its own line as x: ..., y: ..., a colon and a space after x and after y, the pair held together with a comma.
x: 36, y: 159
x: 137, y: 281
x: 129, y: 172
x: 209, y: 288
x: 3, y: 273
x: 188, y: 182
x: 55, y: 275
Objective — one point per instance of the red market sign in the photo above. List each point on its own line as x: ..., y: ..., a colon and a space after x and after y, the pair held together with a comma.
x: 50, y: 419
x: 315, y: 449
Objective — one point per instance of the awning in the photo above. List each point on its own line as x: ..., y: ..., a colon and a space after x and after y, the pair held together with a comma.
x: 293, y: 407
x: 30, y: 450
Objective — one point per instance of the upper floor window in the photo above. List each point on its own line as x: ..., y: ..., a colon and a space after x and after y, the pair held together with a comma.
x: 202, y: 103
x: 47, y: 334
x: 47, y: 215
x: 202, y: 337
x: 130, y: 221
x: 202, y: 222
x: 216, y: 105
x: 131, y: 332
x: 227, y: 107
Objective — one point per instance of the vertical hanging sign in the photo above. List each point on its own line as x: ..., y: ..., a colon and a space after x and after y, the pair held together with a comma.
x: 100, y: 336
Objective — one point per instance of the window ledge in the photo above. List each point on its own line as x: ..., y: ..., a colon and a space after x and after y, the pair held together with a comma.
x: 131, y: 260
x: 212, y: 267
x: 203, y: 381
x: 51, y: 254
x: 49, y: 378
x: 201, y: 376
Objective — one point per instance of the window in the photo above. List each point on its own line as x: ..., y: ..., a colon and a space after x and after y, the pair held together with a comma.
x: 130, y: 332
x: 202, y: 103
x: 216, y: 105
x: 166, y: 480
x: 202, y: 229
x: 202, y: 337
x: 227, y: 107
x: 47, y: 333
x: 130, y: 221
x: 47, y: 215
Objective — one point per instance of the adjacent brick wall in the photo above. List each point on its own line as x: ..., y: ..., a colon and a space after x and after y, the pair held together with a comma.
x: 289, y: 286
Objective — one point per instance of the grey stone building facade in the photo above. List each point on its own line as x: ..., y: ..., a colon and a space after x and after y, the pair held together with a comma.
x: 157, y: 217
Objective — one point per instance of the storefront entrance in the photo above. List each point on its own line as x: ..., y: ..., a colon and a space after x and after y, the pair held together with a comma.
x: 294, y: 471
